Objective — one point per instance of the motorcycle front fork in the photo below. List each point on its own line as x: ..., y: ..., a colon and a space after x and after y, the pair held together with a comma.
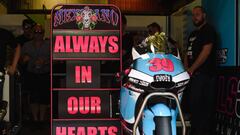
x: 160, y: 119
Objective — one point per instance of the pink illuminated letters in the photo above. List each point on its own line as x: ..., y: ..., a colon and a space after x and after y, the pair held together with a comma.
x: 83, y: 74
x: 84, y: 105
x: 86, y: 44
x: 102, y: 130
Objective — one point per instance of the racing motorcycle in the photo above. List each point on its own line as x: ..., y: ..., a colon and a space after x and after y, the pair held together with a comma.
x: 150, y: 97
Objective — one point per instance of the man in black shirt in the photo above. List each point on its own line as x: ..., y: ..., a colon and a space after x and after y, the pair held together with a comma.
x: 200, y: 62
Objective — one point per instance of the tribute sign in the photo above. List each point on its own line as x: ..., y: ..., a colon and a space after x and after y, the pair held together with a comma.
x: 84, y: 38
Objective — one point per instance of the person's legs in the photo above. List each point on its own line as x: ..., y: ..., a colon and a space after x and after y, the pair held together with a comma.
x: 44, y: 95
x: 42, y: 111
x: 34, y: 97
x: 35, y: 111
x: 185, y: 103
x: 35, y: 106
x: 202, y: 104
x: 196, y: 85
x: 209, y: 95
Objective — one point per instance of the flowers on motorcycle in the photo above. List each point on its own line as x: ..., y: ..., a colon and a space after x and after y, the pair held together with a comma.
x: 157, y: 42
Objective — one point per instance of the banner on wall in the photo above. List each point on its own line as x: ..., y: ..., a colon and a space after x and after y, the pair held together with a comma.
x: 228, y: 102
x: 224, y: 22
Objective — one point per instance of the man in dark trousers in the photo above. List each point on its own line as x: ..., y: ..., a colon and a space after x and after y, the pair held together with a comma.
x: 6, y: 39
x: 200, y: 62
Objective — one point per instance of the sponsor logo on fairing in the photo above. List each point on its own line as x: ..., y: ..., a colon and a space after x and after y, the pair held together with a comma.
x: 163, y: 78
x: 139, y: 82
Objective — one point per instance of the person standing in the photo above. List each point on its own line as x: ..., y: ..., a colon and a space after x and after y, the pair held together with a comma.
x: 26, y: 36
x: 36, y: 55
x: 200, y: 62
